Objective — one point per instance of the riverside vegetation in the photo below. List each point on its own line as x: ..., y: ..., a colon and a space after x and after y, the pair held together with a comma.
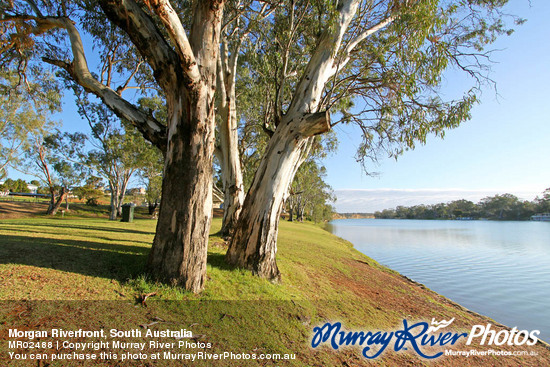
x: 498, y: 207
x: 97, y: 264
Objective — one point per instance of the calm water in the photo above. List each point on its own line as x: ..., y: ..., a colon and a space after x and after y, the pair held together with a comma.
x: 499, y: 269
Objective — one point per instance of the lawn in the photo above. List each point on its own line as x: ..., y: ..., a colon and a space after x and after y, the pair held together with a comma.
x: 76, y: 272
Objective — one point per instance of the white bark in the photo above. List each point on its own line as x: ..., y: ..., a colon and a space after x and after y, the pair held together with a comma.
x: 175, y: 29
x: 358, y: 39
x: 254, y: 244
x: 320, y: 67
x: 232, y: 177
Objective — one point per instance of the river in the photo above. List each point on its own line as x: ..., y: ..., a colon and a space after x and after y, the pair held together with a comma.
x: 498, y: 269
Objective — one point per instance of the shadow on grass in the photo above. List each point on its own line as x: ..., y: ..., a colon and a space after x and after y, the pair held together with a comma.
x: 104, y: 210
x: 83, y: 257
x: 119, y: 240
x: 217, y: 234
x: 217, y: 260
x: 84, y: 227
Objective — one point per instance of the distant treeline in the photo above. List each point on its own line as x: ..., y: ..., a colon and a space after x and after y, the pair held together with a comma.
x: 352, y: 215
x: 498, y: 207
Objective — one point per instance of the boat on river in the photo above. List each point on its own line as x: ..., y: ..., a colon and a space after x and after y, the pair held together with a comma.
x: 544, y: 217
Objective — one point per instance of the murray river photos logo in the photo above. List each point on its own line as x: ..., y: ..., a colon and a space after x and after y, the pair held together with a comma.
x: 416, y: 336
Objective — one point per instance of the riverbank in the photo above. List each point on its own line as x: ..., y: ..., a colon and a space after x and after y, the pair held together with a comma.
x: 89, y: 271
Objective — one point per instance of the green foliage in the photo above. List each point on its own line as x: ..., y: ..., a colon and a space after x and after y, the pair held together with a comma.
x: 119, y: 149
x: 66, y: 151
x: 543, y: 203
x: 152, y: 161
x: 53, y: 159
x: 25, y: 111
x: 91, y: 191
x: 504, y: 206
x: 310, y: 196
x: 498, y: 207
x: 390, y: 86
x: 18, y: 185
x: 397, y: 73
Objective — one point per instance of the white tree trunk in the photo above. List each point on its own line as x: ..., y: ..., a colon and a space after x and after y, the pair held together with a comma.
x: 232, y: 176
x: 254, y: 242
x: 122, y: 193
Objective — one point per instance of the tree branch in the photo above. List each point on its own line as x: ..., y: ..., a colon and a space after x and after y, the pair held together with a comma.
x: 150, y: 128
x: 177, y: 34
x: 205, y: 29
x: 315, y: 123
x: 360, y: 37
x: 148, y: 39
x: 319, y: 69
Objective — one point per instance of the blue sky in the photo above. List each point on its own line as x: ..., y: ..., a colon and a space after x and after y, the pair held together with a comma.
x: 505, y: 147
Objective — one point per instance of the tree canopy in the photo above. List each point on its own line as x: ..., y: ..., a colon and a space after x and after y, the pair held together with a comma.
x: 303, y: 68
x: 26, y: 106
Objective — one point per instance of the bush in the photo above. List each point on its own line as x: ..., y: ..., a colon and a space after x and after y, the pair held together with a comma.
x: 92, y: 201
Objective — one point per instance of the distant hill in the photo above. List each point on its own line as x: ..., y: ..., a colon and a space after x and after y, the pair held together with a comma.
x: 352, y: 215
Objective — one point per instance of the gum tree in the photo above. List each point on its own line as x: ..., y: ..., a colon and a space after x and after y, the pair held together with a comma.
x: 181, y: 61
x: 51, y: 158
x: 26, y: 106
x: 242, y: 19
x: 389, y: 58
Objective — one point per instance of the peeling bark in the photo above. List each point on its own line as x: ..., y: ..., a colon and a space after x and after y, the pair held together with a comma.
x: 254, y: 242
x: 232, y: 176
x: 178, y: 255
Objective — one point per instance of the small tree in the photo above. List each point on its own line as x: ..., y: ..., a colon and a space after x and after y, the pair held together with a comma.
x: 52, y: 160
x: 25, y: 110
x: 91, y: 191
x: 309, y: 193
x: 119, y: 149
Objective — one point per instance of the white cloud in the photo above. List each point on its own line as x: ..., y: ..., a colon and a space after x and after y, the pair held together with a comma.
x: 371, y: 200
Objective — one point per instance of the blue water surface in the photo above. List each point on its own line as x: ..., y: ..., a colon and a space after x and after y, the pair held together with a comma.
x: 498, y: 269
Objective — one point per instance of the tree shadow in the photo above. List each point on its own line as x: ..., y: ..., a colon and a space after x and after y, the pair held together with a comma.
x: 86, y: 257
x: 89, y: 258
x: 84, y: 227
x: 217, y: 260
x: 53, y: 230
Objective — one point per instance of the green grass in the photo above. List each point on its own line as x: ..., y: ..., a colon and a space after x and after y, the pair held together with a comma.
x: 93, y: 269
x: 25, y: 199
x: 36, y: 249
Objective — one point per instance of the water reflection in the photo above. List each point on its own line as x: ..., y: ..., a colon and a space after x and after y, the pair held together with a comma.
x: 499, y: 269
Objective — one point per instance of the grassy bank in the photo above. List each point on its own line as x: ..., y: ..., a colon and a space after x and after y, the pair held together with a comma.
x: 93, y: 269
